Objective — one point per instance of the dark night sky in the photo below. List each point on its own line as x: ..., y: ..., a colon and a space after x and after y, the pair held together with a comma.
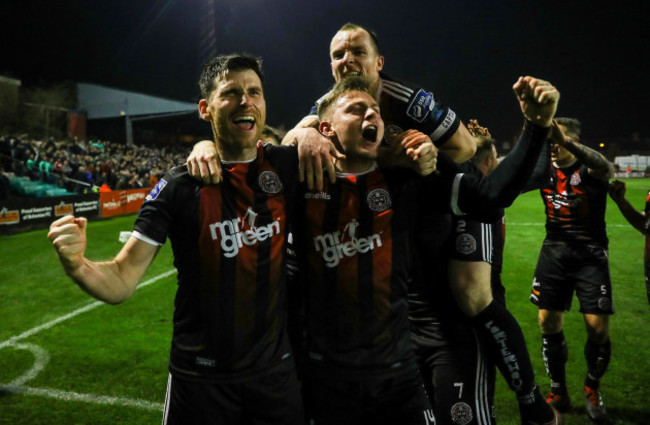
x: 469, y: 53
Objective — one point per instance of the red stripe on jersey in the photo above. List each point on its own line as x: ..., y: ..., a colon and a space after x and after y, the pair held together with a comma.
x: 382, y: 259
x: 564, y: 212
x: 242, y: 236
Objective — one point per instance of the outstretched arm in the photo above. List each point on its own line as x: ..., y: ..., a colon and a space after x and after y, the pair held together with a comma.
x: 109, y: 281
x: 538, y: 100
x: 599, y: 166
x: 636, y: 218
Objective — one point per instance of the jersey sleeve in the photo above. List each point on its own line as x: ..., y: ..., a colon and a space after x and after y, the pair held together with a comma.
x: 414, y: 107
x: 162, y: 204
x: 482, y: 196
x: 542, y: 171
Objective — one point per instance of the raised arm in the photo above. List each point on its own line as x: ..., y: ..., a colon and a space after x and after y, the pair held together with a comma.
x: 471, y: 194
x: 599, y: 166
x: 109, y: 281
x: 461, y: 146
x: 542, y: 170
x: 636, y: 218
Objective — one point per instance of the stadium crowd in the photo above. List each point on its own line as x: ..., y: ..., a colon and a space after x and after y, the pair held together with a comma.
x: 81, y: 166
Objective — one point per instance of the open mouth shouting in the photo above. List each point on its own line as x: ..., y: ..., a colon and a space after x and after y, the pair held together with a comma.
x: 245, y: 122
x: 370, y: 133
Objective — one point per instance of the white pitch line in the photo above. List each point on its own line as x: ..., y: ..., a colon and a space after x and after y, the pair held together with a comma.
x: 86, y: 398
x: 41, y: 358
x: 77, y: 312
x: 510, y: 223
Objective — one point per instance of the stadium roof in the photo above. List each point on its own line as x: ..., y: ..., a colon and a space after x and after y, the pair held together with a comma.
x: 105, y: 102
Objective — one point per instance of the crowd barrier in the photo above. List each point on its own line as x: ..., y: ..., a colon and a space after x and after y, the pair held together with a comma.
x: 28, y: 213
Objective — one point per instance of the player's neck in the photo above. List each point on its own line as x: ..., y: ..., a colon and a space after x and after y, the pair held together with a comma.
x: 566, y: 162
x: 236, y: 153
x: 355, y: 166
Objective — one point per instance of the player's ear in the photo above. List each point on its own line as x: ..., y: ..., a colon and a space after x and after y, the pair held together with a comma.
x: 325, y: 127
x: 204, y: 113
x: 380, y: 63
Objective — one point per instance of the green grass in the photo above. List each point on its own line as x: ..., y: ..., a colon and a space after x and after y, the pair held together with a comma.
x: 122, y: 351
x: 626, y: 386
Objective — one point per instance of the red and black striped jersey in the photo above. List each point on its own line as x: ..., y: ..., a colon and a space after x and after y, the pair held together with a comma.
x: 406, y: 106
x: 229, y: 248
x: 354, y: 241
x: 575, y: 206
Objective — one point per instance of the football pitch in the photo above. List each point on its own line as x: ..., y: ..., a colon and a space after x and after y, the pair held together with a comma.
x: 67, y: 359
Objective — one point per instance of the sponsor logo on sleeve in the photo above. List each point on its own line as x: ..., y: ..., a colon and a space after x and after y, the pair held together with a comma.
x: 156, y: 190
x: 422, y: 103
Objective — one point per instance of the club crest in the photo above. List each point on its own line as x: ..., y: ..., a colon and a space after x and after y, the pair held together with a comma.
x: 270, y: 182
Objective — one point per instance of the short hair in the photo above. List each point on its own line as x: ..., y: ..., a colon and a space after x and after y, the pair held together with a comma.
x: 344, y: 86
x: 373, y: 35
x: 221, y: 65
x: 483, y: 148
x: 572, y: 125
x: 273, y: 135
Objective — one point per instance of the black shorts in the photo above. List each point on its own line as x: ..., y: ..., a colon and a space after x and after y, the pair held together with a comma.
x: 272, y: 399
x: 398, y: 399
x: 460, y: 381
x: 563, y: 269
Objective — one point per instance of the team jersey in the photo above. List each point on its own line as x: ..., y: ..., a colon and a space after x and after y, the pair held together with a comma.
x: 353, y: 240
x: 575, y: 206
x: 406, y: 106
x: 229, y: 247
x: 356, y: 237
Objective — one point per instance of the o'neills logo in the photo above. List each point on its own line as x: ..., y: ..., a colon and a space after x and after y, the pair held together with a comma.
x: 233, y: 236
x: 334, y: 247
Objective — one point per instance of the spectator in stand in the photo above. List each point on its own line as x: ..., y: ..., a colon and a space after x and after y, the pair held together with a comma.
x: 32, y: 166
x: 4, y: 184
x: 153, y: 178
x: 45, y: 168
